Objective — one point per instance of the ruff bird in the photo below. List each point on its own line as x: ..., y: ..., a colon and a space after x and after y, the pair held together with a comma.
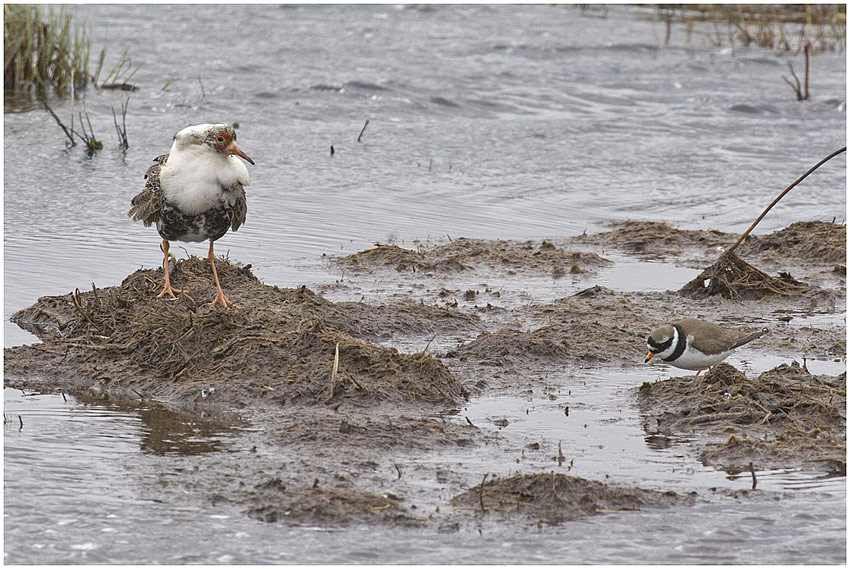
x: 194, y: 193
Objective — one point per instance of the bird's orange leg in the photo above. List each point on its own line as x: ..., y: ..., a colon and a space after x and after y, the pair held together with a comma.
x: 219, y: 294
x: 167, y: 289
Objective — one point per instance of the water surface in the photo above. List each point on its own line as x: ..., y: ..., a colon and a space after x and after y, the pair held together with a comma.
x: 484, y: 121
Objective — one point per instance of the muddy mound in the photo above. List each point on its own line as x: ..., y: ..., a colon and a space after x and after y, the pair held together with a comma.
x: 806, y: 241
x: 282, y: 344
x: 785, y: 416
x: 810, y: 242
x: 656, y: 239
x: 464, y: 254
x: 575, y: 340
x: 318, y: 505
x: 400, y: 259
x: 383, y: 322
x: 556, y: 498
x: 733, y: 278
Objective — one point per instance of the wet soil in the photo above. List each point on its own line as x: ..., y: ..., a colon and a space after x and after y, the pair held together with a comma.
x: 785, y: 417
x: 281, y: 344
x: 469, y: 254
x: 554, y: 498
x: 348, y: 411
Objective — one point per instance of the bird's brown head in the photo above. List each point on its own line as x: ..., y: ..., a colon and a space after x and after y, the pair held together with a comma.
x: 223, y: 139
x: 660, y: 340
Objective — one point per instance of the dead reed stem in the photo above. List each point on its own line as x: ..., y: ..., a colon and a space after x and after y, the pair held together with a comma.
x: 780, y: 196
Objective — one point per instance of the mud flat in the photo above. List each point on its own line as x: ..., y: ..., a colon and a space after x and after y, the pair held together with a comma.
x: 348, y: 411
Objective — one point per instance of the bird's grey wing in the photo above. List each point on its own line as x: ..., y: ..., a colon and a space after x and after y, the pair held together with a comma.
x: 147, y: 204
x: 240, y: 207
x: 725, y: 341
x: 750, y: 337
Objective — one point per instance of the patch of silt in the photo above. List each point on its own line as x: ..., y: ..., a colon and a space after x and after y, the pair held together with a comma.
x: 280, y: 345
x: 556, y: 498
x: 655, y: 239
x: 803, y: 241
x: 577, y: 340
x: 464, y: 254
x: 733, y: 278
x: 785, y: 416
x: 276, y: 501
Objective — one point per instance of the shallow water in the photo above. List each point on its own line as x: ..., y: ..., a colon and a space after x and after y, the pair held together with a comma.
x: 484, y: 121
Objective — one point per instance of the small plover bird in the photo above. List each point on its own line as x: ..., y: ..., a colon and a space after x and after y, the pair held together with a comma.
x: 695, y: 344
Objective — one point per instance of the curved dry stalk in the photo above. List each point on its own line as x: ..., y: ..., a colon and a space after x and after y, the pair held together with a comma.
x: 780, y: 196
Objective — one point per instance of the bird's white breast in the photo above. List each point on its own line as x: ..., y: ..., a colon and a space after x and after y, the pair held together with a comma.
x: 694, y: 359
x: 197, y: 178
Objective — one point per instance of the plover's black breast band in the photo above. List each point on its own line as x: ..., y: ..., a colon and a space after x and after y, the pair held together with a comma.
x: 681, y: 343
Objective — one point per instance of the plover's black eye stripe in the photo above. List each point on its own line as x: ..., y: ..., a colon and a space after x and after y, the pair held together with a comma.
x: 656, y: 347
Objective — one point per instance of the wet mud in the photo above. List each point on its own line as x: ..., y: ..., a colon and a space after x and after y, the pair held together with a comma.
x: 784, y: 417
x: 280, y: 345
x: 349, y: 411
x: 555, y: 498
x: 469, y: 254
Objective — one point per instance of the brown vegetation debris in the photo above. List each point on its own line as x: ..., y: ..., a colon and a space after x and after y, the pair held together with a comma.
x: 732, y: 277
x: 785, y: 414
x: 809, y: 241
x: 462, y: 254
x: 556, y: 498
x: 656, y: 239
x: 338, y: 506
x: 281, y: 344
x: 576, y: 339
x: 401, y: 260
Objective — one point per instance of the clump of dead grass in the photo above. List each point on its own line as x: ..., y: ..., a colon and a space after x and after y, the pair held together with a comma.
x: 576, y: 340
x: 783, y: 414
x: 732, y: 277
x: 463, y: 254
x: 810, y: 241
x: 556, y: 498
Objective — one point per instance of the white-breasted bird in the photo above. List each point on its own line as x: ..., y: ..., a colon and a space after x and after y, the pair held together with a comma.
x: 195, y: 192
x: 695, y: 344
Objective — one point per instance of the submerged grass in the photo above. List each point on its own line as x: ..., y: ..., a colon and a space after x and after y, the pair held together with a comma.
x: 43, y: 50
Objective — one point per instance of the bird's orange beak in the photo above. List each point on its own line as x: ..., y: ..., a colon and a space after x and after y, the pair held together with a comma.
x: 648, y: 357
x: 233, y: 149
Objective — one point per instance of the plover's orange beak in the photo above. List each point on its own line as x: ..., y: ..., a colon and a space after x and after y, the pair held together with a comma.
x: 648, y: 357
x: 233, y: 149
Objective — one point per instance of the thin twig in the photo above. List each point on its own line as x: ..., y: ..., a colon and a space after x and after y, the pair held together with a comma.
x: 808, y: 46
x: 336, y: 365
x: 123, y: 144
x: 58, y: 121
x: 481, y: 493
x: 425, y: 349
x: 362, y: 130
x: 333, y: 374
x: 796, y: 84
